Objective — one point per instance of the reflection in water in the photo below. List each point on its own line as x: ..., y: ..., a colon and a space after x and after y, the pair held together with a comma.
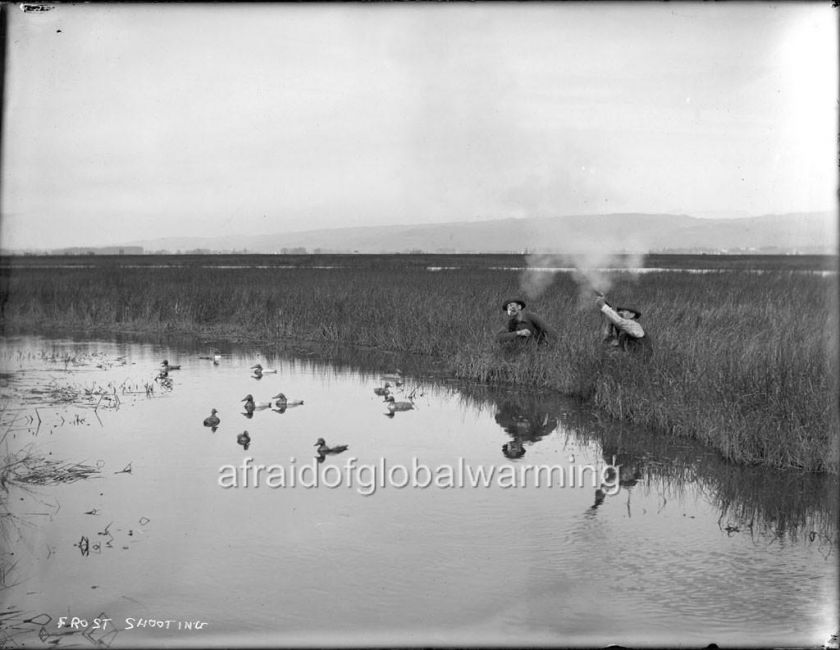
x: 526, y: 418
x: 395, y: 406
x: 284, y: 402
x: 556, y: 554
x: 779, y: 504
x: 513, y: 449
x: 626, y: 477
x: 782, y: 504
x: 323, y: 450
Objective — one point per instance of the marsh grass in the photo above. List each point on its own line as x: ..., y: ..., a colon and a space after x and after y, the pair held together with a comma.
x: 750, y: 500
x: 743, y: 362
x: 26, y: 467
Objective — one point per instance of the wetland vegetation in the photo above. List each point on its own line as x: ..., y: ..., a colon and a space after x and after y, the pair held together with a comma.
x: 745, y: 362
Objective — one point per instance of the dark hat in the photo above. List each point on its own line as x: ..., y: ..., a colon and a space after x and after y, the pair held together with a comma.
x: 519, y: 301
x: 636, y: 313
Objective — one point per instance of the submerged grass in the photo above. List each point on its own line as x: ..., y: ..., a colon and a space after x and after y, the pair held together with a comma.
x: 746, y: 363
x: 26, y: 467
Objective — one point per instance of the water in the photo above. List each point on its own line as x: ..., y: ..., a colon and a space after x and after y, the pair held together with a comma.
x: 689, y: 550
x: 546, y: 269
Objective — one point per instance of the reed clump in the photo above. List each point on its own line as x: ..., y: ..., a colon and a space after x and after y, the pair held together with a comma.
x: 744, y: 362
x: 26, y: 467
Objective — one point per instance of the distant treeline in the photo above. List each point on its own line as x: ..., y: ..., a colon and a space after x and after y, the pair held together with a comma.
x: 100, y: 250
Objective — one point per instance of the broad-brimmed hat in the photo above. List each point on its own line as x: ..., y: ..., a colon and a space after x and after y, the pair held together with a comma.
x: 518, y: 301
x: 636, y: 313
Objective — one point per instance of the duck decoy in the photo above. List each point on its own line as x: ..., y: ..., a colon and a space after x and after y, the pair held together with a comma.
x: 215, y: 358
x: 323, y: 448
x: 212, y: 420
x: 251, y: 405
x: 383, y: 391
x: 393, y: 405
x: 243, y: 439
x: 283, y: 402
x: 166, y: 366
x: 257, y: 368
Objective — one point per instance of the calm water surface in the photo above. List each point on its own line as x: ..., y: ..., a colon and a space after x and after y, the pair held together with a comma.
x: 689, y: 551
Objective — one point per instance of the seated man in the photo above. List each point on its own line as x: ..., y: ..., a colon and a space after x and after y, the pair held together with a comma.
x: 621, y: 329
x: 523, y: 325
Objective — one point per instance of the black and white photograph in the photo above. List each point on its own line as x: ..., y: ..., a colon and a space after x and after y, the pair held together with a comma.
x: 419, y: 324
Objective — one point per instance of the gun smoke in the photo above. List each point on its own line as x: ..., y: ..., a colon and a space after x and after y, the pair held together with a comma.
x: 592, y: 271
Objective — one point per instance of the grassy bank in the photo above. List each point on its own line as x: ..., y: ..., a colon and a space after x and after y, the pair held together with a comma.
x: 746, y: 363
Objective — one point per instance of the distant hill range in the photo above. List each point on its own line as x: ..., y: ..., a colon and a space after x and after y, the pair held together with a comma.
x: 811, y: 233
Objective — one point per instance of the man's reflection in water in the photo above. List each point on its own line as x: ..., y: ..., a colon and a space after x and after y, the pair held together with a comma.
x: 526, y: 420
x: 629, y: 473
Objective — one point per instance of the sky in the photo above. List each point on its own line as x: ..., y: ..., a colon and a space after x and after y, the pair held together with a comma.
x: 125, y: 122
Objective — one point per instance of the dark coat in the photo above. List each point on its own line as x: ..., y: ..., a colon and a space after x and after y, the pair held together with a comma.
x: 540, y: 330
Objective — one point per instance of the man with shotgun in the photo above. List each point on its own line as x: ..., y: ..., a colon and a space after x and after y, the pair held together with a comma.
x: 620, y: 328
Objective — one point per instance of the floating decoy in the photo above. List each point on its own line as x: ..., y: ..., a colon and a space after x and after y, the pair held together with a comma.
x: 257, y: 368
x: 323, y: 448
x: 393, y: 405
x: 212, y: 420
x: 251, y: 405
x: 215, y: 358
x: 283, y: 402
x: 383, y: 391
x: 168, y: 367
x: 243, y: 439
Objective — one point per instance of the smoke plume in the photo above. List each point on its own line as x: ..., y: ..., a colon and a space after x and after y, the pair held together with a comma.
x: 593, y: 271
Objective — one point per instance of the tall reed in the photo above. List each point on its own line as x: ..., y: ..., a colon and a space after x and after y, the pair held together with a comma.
x: 746, y: 363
